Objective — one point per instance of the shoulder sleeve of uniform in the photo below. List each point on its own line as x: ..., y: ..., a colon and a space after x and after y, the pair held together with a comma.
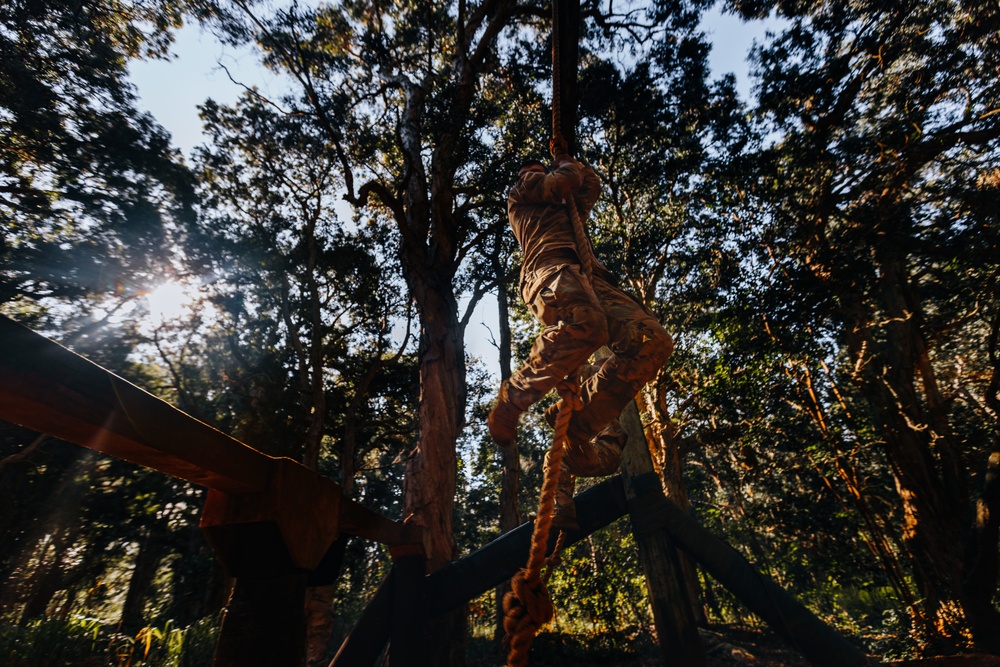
x: 586, y: 196
x: 551, y: 188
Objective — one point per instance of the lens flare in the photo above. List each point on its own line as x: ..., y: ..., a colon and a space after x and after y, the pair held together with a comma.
x: 168, y: 301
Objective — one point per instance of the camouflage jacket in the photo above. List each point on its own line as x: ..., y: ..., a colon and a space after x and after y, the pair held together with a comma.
x: 540, y: 219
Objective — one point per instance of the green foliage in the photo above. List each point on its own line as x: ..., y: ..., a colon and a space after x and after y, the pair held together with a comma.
x: 86, y: 642
x: 825, y: 254
x: 92, y: 196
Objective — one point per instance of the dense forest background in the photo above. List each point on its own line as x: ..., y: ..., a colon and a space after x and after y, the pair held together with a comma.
x: 825, y: 253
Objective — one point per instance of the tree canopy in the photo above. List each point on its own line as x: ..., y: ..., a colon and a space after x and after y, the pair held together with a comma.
x: 825, y: 252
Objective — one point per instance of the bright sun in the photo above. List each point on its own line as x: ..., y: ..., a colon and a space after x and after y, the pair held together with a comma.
x: 168, y: 301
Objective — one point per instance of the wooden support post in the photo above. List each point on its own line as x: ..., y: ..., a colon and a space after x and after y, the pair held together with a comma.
x: 821, y: 644
x: 408, y: 615
x: 264, y: 623
x: 676, y: 630
x: 364, y: 644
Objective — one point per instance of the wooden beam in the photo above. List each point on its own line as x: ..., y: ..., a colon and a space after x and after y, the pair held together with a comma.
x: 820, y: 643
x: 47, y: 388
x: 468, y: 578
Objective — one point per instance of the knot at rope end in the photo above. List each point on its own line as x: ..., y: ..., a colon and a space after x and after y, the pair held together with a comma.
x: 526, y: 609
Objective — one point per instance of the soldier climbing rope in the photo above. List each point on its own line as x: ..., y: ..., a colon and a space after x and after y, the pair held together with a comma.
x: 574, y: 295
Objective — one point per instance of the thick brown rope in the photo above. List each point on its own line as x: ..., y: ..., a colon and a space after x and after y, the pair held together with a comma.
x: 529, y: 606
x: 558, y: 140
x: 558, y: 145
x: 583, y: 248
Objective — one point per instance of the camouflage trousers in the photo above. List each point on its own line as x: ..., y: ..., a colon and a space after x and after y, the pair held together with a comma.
x: 581, y: 316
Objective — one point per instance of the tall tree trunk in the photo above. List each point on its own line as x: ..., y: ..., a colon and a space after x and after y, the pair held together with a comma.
x: 673, y: 610
x: 147, y: 561
x: 510, y: 518
x: 667, y: 459
x: 44, y: 585
x: 982, y: 554
x: 431, y: 469
x: 933, y: 510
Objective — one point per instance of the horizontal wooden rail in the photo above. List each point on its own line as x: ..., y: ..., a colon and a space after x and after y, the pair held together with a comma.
x: 469, y: 577
x: 47, y: 388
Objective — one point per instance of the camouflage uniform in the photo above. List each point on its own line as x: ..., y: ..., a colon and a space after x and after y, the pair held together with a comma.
x: 580, y: 316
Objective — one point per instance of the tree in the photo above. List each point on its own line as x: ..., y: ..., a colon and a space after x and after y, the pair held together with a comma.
x: 417, y: 72
x: 886, y: 136
x: 91, y: 193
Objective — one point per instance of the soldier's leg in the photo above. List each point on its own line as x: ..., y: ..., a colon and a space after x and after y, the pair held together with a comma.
x: 575, y: 326
x: 595, y: 458
x: 639, y: 345
x: 592, y: 458
x: 564, y: 512
x: 599, y: 456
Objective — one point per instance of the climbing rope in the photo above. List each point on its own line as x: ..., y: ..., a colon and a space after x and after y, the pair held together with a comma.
x: 529, y: 606
x: 583, y: 248
x: 558, y: 145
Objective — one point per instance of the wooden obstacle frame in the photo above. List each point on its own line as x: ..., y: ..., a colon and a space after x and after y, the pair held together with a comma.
x: 276, y: 525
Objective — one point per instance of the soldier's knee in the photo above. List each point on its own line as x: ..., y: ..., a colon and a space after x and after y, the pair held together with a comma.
x: 590, y: 324
x: 649, y: 346
x: 659, y: 343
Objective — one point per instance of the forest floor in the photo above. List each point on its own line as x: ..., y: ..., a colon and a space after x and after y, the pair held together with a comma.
x: 729, y: 647
x: 724, y: 647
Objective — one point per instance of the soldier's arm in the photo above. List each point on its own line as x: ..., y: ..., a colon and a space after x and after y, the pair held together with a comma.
x: 554, y: 187
x: 586, y: 196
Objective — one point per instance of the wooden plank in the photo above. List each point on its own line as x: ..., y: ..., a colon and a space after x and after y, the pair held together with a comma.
x: 47, y: 388
x: 469, y: 577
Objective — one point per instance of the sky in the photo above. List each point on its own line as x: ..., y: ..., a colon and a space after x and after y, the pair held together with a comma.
x: 203, y: 68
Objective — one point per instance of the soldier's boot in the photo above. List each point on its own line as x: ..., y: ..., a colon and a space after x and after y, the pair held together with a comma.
x: 503, y: 418
x: 595, y: 458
